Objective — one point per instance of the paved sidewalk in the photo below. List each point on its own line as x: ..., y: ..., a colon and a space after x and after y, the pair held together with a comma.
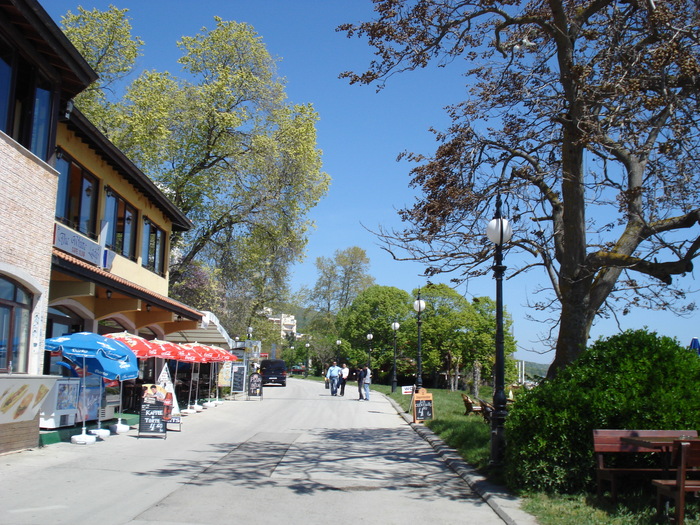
x: 297, y: 456
x: 499, y: 499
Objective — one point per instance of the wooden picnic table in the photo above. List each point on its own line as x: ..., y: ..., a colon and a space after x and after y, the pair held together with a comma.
x: 661, y: 443
x: 664, y: 444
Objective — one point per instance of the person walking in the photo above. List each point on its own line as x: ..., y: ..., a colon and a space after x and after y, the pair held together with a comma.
x: 360, y: 375
x: 344, y: 373
x: 333, y: 376
x: 366, y: 381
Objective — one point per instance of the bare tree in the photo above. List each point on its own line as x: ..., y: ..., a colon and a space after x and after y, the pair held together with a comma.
x: 583, y: 115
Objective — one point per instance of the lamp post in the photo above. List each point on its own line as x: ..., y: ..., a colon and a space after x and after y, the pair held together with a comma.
x: 499, y: 231
x: 394, y: 326
x: 369, y: 350
x: 419, y: 306
x: 306, y: 365
x: 337, y: 353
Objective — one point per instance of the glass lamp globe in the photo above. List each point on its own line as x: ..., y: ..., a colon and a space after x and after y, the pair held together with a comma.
x: 499, y: 231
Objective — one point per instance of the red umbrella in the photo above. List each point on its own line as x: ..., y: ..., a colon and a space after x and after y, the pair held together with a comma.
x: 194, y: 353
x: 140, y: 346
x: 212, y: 354
x: 225, y: 354
x: 166, y: 349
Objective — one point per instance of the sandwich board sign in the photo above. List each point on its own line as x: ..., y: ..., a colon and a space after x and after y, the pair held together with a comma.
x: 422, y: 406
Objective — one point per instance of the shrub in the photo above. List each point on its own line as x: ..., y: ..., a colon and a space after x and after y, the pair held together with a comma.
x: 633, y: 380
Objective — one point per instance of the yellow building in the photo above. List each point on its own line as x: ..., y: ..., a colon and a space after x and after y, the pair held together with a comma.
x: 84, y: 234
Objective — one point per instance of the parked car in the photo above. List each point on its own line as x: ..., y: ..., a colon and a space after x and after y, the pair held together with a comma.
x: 298, y: 369
x: 273, y: 371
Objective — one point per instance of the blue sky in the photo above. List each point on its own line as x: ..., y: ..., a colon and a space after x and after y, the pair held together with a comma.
x: 361, y: 132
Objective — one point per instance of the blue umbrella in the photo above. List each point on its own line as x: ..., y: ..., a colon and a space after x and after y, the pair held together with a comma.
x: 99, y: 355
x: 695, y: 345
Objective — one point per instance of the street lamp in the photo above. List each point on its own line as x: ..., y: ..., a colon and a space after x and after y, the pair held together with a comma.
x: 419, y: 306
x: 306, y: 368
x: 337, y: 353
x: 499, y: 231
x: 394, y: 326
x: 369, y: 350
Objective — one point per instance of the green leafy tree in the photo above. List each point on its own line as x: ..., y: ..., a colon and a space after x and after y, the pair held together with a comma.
x: 372, y: 312
x: 456, y: 334
x: 584, y: 117
x: 224, y: 146
x: 341, y: 279
x: 104, y: 39
x: 480, y: 342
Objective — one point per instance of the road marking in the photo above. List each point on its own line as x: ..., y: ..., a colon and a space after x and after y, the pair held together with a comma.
x: 35, y: 509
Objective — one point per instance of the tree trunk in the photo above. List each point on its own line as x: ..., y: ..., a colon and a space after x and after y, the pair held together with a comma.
x: 575, y: 325
x: 476, y: 378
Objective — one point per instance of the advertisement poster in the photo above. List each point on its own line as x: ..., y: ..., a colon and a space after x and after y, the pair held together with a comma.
x: 160, y: 396
x: 90, y: 399
x: 21, y: 397
x: 166, y: 383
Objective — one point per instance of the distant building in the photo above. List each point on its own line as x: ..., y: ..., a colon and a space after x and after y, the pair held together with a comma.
x: 285, y: 323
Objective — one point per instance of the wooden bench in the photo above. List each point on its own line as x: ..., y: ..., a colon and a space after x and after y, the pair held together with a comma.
x: 686, y: 458
x: 469, y: 406
x: 607, y: 441
x: 486, y: 410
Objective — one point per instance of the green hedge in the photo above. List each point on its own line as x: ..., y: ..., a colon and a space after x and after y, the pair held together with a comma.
x: 634, y: 380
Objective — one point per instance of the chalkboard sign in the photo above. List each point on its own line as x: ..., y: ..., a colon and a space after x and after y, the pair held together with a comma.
x: 238, y: 372
x: 255, y: 386
x: 422, y: 406
x: 151, y: 419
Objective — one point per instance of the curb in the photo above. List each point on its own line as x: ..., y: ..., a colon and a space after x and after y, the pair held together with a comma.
x: 505, y: 505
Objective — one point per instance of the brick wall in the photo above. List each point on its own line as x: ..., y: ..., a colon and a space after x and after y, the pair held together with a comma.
x: 27, y: 210
x: 19, y: 436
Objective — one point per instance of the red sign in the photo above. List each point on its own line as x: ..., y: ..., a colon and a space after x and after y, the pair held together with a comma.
x: 264, y: 356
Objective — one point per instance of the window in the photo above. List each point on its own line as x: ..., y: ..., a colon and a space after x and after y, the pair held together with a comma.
x: 15, y: 313
x: 153, y: 247
x: 26, y: 103
x: 120, y: 225
x: 76, y: 199
x: 60, y: 321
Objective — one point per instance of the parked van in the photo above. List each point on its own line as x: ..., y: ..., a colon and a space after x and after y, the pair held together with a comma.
x: 273, y: 371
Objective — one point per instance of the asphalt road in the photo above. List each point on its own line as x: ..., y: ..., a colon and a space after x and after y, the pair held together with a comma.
x: 296, y: 456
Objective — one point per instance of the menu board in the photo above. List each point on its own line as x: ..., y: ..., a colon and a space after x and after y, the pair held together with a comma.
x: 422, y: 406
x: 238, y: 384
x: 151, y: 419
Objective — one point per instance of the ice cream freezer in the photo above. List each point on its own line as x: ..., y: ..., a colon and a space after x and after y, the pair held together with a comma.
x: 60, y: 407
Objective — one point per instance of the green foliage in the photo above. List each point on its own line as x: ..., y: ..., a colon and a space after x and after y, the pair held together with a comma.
x: 104, y: 39
x: 633, y: 380
x: 340, y: 279
x: 222, y: 143
x: 372, y: 312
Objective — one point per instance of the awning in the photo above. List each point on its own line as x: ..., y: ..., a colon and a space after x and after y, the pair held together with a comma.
x: 209, y: 332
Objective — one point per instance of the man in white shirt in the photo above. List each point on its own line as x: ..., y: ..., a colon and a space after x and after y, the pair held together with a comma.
x: 344, y: 373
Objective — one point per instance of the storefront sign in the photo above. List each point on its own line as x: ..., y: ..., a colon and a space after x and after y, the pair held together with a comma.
x: 72, y: 242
